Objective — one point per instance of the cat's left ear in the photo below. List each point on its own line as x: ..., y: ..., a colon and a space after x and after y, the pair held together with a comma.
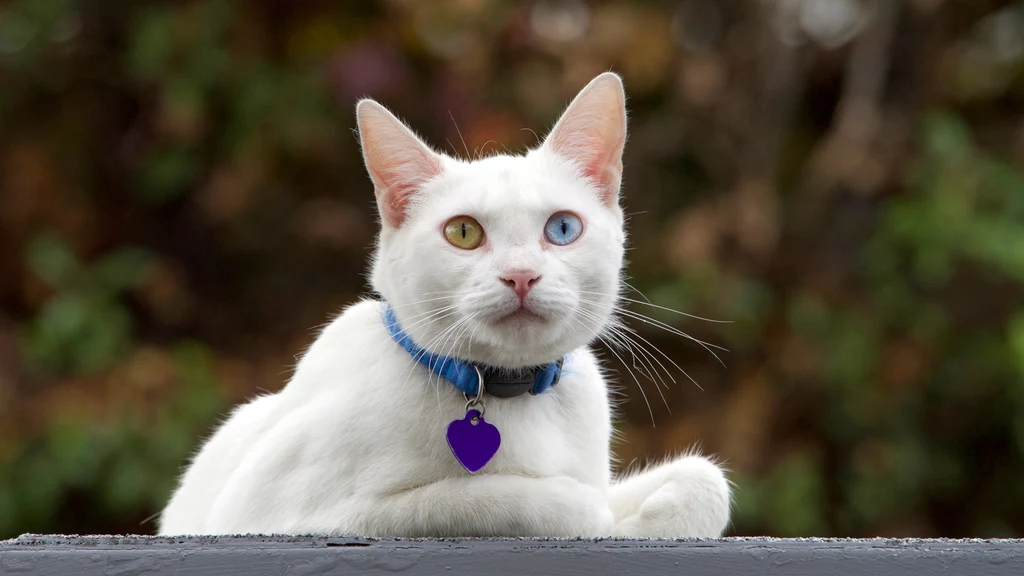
x: 399, y: 162
x: 592, y: 133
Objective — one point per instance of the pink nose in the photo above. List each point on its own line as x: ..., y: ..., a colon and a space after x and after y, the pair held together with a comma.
x: 521, y: 281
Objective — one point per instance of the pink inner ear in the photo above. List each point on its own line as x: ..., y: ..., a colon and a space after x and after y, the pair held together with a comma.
x: 398, y: 162
x: 597, y: 152
x: 592, y: 134
x: 397, y: 181
x: 604, y: 170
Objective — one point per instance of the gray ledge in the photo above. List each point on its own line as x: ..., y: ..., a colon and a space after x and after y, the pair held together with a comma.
x: 237, y: 555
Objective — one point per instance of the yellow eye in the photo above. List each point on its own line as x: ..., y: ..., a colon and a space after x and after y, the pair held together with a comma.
x: 464, y: 232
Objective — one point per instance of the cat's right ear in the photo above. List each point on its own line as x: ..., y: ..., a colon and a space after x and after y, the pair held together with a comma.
x: 399, y: 162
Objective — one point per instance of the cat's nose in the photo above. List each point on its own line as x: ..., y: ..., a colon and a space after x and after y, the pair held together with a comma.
x: 521, y: 281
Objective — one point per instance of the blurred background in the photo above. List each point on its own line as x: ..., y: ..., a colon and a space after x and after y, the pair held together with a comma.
x: 182, y: 202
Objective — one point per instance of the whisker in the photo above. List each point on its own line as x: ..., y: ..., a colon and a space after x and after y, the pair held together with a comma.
x: 659, y: 324
x: 649, y: 359
x: 429, y: 316
x: 666, y: 356
x: 450, y: 332
x: 638, y: 385
x: 615, y: 328
x: 453, y: 336
x: 637, y: 290
x: 672, y: 329
x: 652, y: 373
x: 424, y: 350
x: 624, y: 364
x: 408, y: 304
x: 468, y: 155
x: 652, y: 305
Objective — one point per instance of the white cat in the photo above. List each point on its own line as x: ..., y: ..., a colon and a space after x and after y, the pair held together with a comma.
x: 505, y: 262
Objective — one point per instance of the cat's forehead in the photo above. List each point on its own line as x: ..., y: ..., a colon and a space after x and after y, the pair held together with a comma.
x: 508, y: 184
x: 497, y: 174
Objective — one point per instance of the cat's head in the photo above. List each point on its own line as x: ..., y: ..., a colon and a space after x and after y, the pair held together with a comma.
x: 508, y: 260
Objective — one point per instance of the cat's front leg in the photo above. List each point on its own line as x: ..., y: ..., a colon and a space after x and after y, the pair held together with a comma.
x: 492, y: 505
x: 687, y: 497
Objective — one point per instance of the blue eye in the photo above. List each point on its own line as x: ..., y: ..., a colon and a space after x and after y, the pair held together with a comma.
x: 563, y: 228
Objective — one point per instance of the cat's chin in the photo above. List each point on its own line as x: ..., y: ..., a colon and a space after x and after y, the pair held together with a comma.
x: 521, y: 339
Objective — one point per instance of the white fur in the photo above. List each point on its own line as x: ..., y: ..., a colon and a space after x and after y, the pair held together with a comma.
x: 355, y: 443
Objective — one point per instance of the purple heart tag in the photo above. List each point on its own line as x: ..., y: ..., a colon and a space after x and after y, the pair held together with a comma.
x: 473, y: 441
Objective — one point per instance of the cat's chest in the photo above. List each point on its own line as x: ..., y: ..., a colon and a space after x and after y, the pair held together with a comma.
x: 542, y: 435
x: 370, y: 411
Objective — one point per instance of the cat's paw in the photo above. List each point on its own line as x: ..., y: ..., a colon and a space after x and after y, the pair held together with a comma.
x: 691, y: 501
x: 584, y: 510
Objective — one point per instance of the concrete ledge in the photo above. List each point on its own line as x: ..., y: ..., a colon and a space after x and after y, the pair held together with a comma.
x: 230, y: 556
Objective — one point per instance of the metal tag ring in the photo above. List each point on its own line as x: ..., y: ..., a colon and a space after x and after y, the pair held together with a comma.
x: 477, y: 401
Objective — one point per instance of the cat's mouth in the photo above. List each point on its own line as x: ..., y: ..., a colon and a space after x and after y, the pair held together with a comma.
x: 521, y: 315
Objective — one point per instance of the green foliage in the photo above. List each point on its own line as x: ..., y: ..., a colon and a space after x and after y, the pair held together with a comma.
x: 201, y: 154
x: 906, y: 440
x: 28, y: 27
x: 964, y: 205
x: 122, y: 467
x: 789, y: 501
x: 85, y: 325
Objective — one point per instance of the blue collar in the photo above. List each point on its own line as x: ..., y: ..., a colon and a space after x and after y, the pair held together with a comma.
x: 497, y: 382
